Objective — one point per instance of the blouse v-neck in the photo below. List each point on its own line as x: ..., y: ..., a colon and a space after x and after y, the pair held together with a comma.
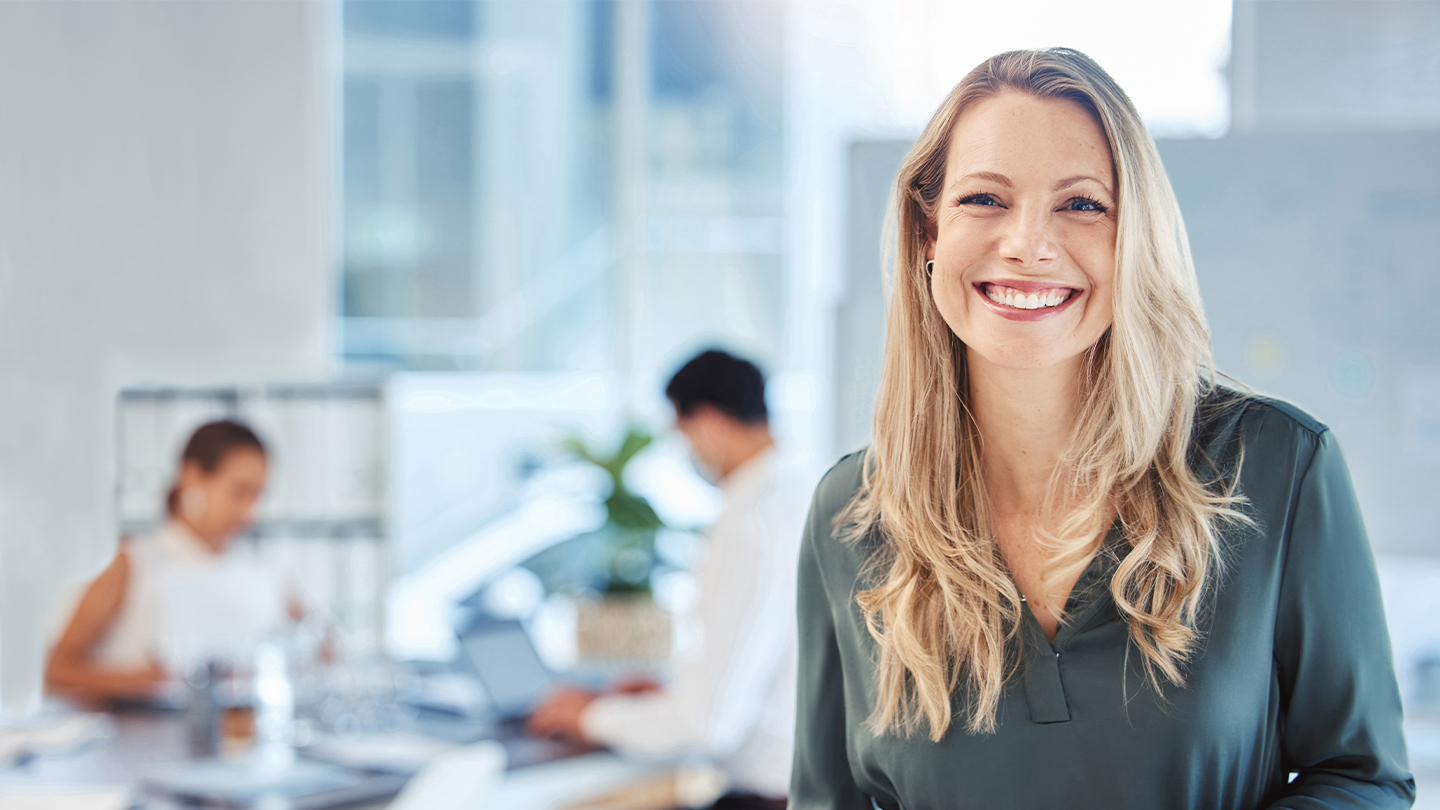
x: 1042, y: 657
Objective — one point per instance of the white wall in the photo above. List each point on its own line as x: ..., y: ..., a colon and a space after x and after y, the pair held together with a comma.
x: 165, y: 189
x: 1316, y: 260
x: 1337, y: 66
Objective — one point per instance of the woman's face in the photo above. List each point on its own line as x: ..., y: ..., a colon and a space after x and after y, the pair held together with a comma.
x: 228, y: 495
x: 1023, y: 237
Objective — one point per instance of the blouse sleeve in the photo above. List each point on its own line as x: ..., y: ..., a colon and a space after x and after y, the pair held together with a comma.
x: 1341, y: 733
x: 820, y: 777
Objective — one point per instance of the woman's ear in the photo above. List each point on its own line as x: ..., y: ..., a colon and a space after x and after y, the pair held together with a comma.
x: 932, y: 232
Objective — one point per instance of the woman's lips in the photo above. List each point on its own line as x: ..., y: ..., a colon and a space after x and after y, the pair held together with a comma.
x: 1026, y: 301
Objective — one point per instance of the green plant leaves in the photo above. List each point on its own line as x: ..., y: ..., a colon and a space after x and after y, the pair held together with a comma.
x: 624, y: 508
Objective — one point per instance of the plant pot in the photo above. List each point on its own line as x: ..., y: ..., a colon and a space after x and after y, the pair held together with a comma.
x: 629, y: 629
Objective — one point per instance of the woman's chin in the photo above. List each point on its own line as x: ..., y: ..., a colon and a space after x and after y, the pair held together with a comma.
x: 1025, y: 358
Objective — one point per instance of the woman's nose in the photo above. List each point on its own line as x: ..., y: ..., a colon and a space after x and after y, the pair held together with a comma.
x: 1026, y: 241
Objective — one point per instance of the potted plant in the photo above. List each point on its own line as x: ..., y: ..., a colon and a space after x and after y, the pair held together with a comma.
x: 625, y: 624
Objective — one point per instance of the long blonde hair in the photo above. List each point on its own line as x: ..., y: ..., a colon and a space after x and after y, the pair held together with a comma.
x: 944, y: 610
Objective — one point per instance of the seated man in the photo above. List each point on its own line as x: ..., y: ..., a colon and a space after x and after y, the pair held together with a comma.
x: 734, y: 699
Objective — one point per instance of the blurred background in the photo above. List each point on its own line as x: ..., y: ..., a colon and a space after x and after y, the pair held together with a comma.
x: 421, y: 245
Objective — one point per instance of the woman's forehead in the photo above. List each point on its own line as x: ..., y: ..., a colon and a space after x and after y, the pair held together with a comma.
x: 1014, y: 138
x: 242, y: 459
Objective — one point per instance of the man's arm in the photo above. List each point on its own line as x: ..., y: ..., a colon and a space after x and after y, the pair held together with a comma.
x: 745, y: 609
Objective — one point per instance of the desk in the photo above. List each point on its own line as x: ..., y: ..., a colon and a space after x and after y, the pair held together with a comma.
x: 144, y: 741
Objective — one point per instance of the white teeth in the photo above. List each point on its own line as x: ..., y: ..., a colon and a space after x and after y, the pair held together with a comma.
x: 1020, y: 300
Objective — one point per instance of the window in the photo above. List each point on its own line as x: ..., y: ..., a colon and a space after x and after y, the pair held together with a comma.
x: 479, y: 187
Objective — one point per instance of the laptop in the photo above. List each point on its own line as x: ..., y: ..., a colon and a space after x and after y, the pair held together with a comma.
x: 501, y: 656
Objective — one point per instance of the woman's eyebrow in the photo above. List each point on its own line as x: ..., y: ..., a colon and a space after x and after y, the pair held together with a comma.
x: 1070, y: 181
x: 991, y: 176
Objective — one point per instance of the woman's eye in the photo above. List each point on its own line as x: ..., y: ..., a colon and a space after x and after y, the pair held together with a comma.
x: 979, y: 199
x: 1085, y: 204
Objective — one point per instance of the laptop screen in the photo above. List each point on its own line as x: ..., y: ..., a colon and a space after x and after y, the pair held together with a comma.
x: 508, y: 666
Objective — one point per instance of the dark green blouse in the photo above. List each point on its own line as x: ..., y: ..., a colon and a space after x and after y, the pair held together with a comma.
x: 1291, y: 702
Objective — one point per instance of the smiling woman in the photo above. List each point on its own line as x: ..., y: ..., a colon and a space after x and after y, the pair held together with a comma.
x: 1132, y: 586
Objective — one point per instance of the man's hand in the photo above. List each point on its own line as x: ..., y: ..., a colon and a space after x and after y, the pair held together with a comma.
x: 638, y: 685
x: 559, y: 716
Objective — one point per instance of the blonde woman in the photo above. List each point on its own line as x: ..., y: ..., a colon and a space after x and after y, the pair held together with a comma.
x: 1073, y: 571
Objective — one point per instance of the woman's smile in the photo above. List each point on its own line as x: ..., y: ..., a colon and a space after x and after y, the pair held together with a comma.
x: 1027, y: 300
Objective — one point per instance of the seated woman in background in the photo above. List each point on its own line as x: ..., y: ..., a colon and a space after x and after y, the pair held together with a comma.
x: 179, y: 596
x: 1073, y: 570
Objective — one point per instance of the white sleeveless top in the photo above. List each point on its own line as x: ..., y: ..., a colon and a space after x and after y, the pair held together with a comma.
x: 185, y: 605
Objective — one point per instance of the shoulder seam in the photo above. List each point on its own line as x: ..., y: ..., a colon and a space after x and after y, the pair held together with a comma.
x: 1292, y: 414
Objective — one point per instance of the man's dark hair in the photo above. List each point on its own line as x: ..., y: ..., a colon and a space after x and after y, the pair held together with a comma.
x: 732, y: 384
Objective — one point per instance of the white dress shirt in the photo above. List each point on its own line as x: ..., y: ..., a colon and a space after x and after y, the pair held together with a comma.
x: 734, y: 699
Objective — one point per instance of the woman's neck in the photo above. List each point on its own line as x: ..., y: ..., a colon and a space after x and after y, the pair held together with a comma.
x: 213, y: 545
x: 1026, y: 418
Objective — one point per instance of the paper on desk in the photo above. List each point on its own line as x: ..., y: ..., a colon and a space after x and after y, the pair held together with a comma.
x: 393, y: 751
x: 65, y: 798
x: 461, y: 779
x: 51, y: 734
